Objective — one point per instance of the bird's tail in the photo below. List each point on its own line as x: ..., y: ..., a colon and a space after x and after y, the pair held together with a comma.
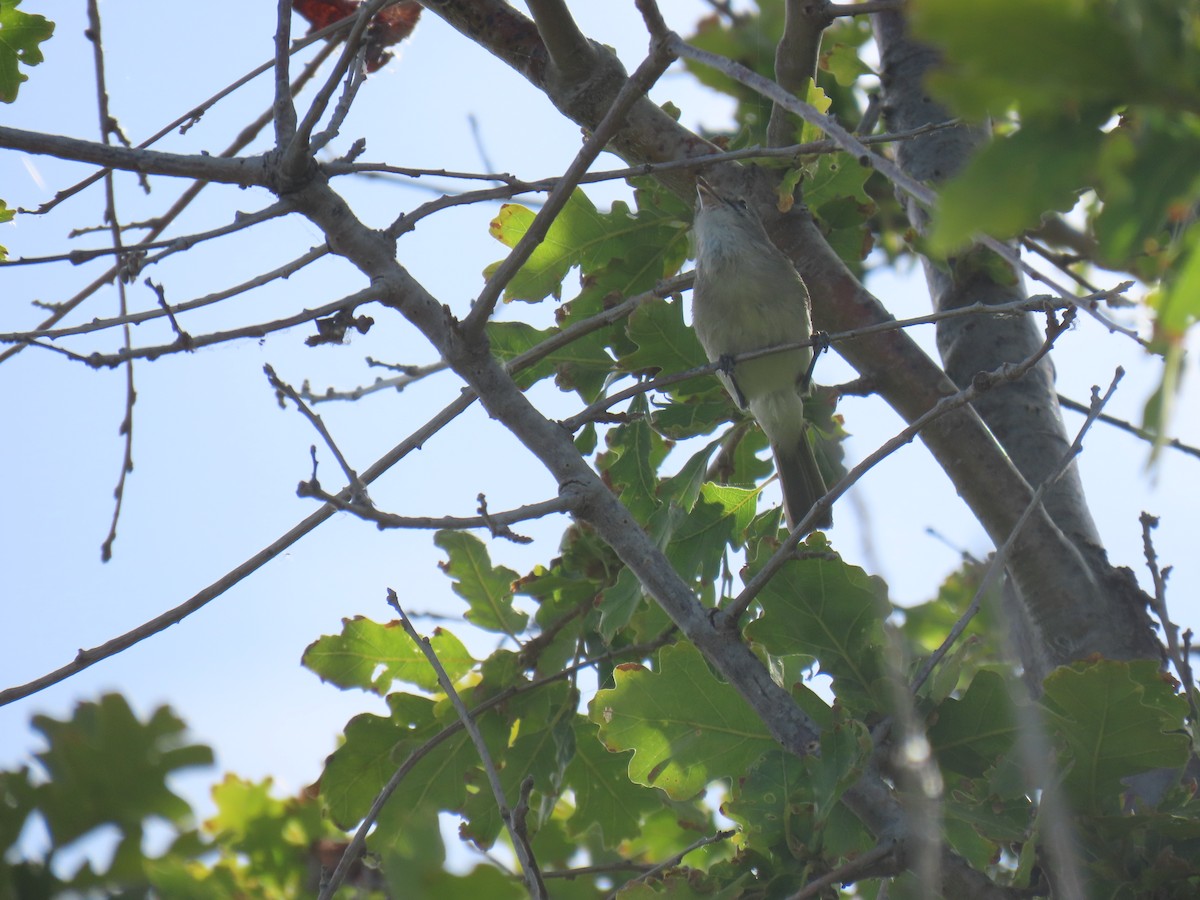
x: 802, y: 482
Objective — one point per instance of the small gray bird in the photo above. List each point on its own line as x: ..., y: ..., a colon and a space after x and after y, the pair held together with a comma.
x: 748, y: 296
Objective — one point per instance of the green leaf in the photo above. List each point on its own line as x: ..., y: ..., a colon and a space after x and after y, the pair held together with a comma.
x: 693, y: 417
x: 17, y: 801
x: 697, y: 544
x: 273, y: 835
x: 604, y: 796
x: 1113, y: 719
x: 751, y: 40
x: 487, y: 589
x: 635, y: 451
x: 1044, y: 166
x: 374, y: 748
x: 508, y: 340
x: 838, y: 176
x: 20, y: 35
x: 783, y: 801
x: 619, y: 603
x: 833, y: 611
x: 624, y: 251
x: 679, y: 744
x: 1148, y: 182
x: 371, y: 655
x: 844, y: 64
x: 547, y: 266
x: 664, y: 342
x: 819, y: 100
x: 105, y: 766
x: 581, y: 365
x: 973, y: 732
x: 684, y: 486
x: 1177, y: 305
x: 1077, y: 54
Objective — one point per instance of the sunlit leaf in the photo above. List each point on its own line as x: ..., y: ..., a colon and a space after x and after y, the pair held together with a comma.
x: 679, y: 745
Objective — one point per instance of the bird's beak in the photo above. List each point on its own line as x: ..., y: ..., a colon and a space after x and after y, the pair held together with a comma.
x: 705, y: 193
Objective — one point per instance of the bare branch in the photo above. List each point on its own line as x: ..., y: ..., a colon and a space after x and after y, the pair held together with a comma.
x: 25, y: 337
x: 258, y: 330
x: 494, y: 522
x: 409, y: 375
x: 285, y: 110
x: 250, y: 171
x: 107, y: 128
x: 356, y: 491
x: 1174, y: 443
x: 1177, y: 653
x: 172, y: 245
x: 185, y: 199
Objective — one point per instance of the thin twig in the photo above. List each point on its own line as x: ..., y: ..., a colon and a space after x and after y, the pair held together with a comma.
x: 86, y: 658
x: 194, y: 115
x: 1004, y: 374
x: 171, y: 245
x: 674, y: 860
x: 999, y: 559
x: 112, y: 360
x: 873, y: 862
x: 529, y: 867
x: 633, y: 90
x: 356, y: 491
x: 1173, y: 443
x: 284, y: 271
x: 494, y: 522
x: 355, y: 848
x: 1039, y: 303
x: 244, y: 138
x: 285, y: 109
x: 297, y: 146
x: 409, y: 375
x: 886, y: 167
x: 1178, y: 654
x: 107, y: 127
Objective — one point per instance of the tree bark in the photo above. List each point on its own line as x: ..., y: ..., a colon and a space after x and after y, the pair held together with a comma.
x: 1023, y: 415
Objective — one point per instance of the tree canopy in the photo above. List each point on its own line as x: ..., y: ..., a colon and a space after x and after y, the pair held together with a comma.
x: 572, y: 620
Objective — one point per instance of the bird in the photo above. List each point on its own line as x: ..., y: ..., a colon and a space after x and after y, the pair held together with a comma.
x: 748, y: 296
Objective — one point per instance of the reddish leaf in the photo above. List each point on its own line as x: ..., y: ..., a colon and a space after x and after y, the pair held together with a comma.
x: 323, y: 13
x: 390, y: 26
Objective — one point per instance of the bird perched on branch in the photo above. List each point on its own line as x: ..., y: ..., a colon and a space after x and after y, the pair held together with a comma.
x: 747, y: 297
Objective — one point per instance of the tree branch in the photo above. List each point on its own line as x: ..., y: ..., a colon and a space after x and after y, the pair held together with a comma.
x: 796, y: 61
x: 569, y: 49
x: 529, y: 866
x: 250, y: 171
